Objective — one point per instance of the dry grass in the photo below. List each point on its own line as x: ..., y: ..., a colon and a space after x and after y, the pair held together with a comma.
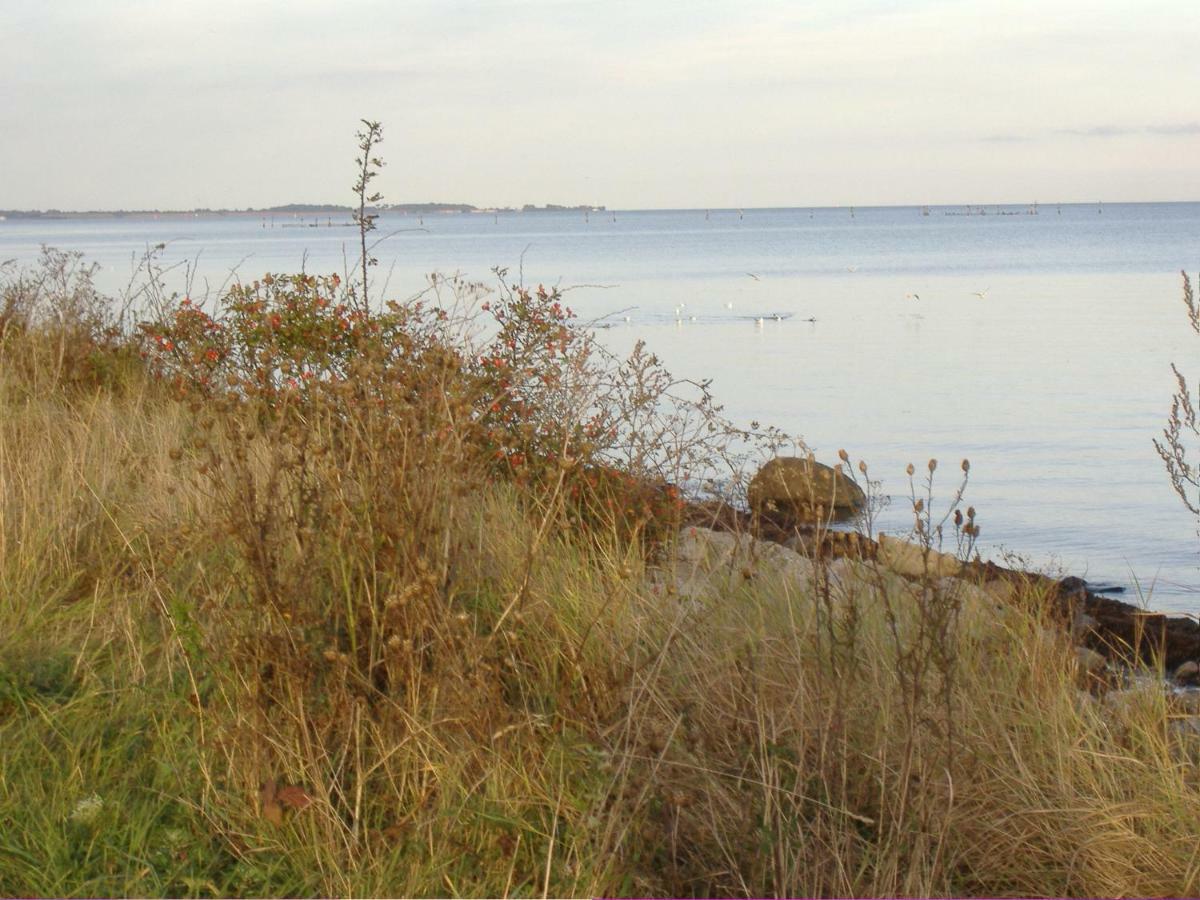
x: 484, y: 685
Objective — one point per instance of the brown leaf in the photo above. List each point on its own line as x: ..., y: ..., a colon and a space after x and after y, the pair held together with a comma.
x: 269, y: 805
x: 273, y: 813
x: 293, y: 796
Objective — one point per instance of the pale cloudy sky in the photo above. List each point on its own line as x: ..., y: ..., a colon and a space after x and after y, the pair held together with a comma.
x: 650, y: 103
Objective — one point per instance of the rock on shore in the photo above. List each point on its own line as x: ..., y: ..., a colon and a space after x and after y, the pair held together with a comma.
x: 793, y: 487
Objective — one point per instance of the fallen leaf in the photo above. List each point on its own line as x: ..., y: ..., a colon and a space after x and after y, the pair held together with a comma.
x: 273, y: 813
x: 271, y: 810
x: 293, y: 796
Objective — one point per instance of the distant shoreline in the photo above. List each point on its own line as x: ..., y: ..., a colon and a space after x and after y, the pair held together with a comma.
x: 291, y: 209
x: 297, y: 210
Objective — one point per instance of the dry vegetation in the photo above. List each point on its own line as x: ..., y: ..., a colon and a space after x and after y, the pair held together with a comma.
x: 298, y: 600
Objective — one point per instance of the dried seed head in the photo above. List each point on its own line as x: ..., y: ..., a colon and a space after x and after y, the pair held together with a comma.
x: 909, y: 469
x: 966, y: 465
x: 844, y: 456
x: 919, y: 505
x: 932, y: 465
x: 862, y: 467
x: 958, y: 520
x: 970, y: 512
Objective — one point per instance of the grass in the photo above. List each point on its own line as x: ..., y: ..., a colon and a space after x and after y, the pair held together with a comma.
x: 485, y: 687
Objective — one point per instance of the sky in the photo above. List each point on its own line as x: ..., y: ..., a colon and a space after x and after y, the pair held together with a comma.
x: 173, y: 104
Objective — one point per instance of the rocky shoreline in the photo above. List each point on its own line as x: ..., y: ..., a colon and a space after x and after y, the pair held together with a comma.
x: 1116, y: 630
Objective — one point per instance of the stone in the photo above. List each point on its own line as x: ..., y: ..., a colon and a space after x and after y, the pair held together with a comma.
x: 1001, y: 591
x: 1188, y: 673
x: 1073, y: 587
x: 708, y: 564
x: 1134, y: 700
x: 1185, y: 727
x: 914, y: 560
x: 968, y: 594
x: 1082, y: 625
x: 801, y: 488
x: 1090, y: 662
x: 1184, y: 702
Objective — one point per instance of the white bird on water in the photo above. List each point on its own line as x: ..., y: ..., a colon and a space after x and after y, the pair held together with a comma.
x: 982, y: 295
x: 729, y: 305
x: 759, y: 321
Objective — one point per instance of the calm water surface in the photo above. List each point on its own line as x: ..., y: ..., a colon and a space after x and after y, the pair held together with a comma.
x: 1052, y: 383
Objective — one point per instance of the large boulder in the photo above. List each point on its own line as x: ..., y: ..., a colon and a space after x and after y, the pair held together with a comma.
x: 793, y: 487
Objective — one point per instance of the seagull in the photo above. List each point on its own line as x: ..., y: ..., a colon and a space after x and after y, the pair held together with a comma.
x: 759, y: 321
x: 982, y: 295
x: 693, y: 319
x: 729, y: 305
x: 912, y: 296
x: 851, y: 268
x: 755, y: 277
x: 627, y: 318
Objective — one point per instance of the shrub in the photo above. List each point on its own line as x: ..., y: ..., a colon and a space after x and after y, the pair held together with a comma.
x: 58, y: 330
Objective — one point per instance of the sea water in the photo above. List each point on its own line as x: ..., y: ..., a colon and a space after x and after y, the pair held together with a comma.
x: 1035, y: 341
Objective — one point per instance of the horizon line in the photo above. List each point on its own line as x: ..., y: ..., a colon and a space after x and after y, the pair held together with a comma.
x: 467, y: 208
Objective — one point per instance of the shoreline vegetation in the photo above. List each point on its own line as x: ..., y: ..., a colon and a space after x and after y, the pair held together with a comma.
x: 301, y: 595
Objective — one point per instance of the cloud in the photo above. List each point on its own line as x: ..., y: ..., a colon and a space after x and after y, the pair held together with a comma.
x: 1101, y: 131
x: 1169, y: 129
x: 1176, y: 128
x: 1108, y: 131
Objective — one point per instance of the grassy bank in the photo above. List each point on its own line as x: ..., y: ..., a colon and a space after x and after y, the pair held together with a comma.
x: 300, y: 600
